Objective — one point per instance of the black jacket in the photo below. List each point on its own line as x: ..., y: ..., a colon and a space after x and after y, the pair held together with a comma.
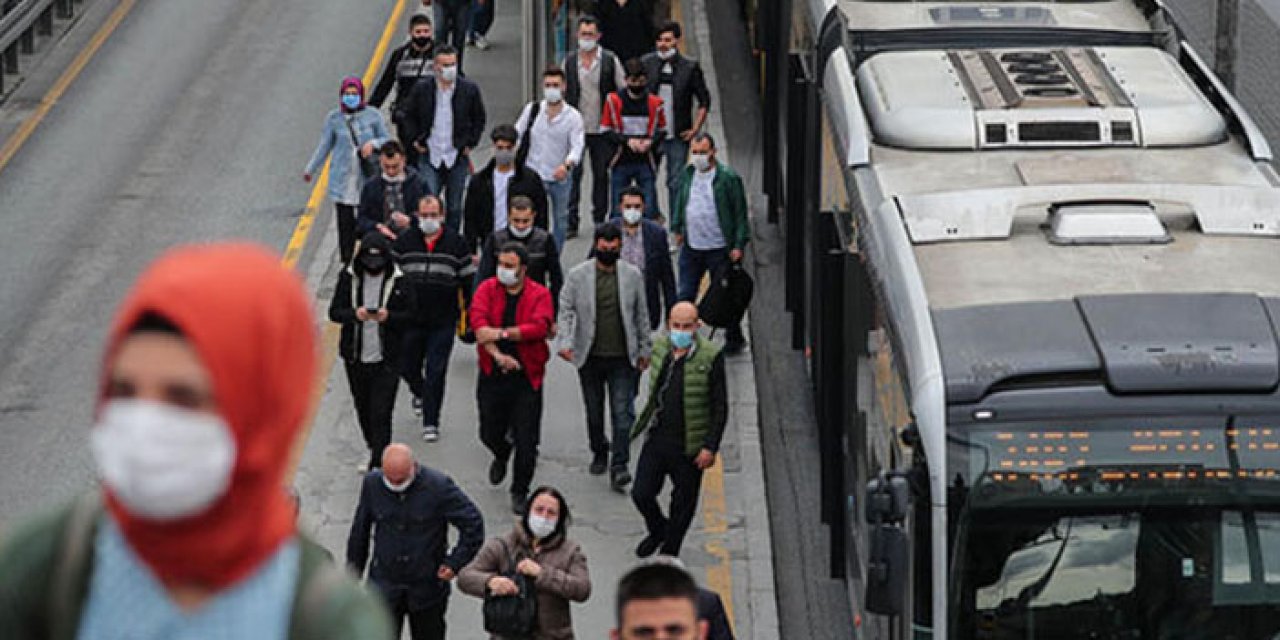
x: 711, y: 609
x: 374, y: 207
x: 659, y: 275
x: 348, y: 296
x: 608, y: 82
x: 410, y: 533
x: 478, y: 210
x: 687, y: 85
x: 544, y: 259
x: 627, y: 30
x: 468, y: 113
x: 405, y: 68
x: 438, y: 277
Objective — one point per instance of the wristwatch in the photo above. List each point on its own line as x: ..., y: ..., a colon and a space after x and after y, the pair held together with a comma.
x: 505, y: 335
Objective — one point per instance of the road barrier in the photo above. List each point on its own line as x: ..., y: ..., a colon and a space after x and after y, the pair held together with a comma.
x: 21, y: 23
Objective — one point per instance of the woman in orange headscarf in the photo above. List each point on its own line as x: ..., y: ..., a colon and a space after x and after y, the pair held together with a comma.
x: 205, y: 385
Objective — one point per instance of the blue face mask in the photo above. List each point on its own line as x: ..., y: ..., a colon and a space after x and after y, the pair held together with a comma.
x: 351, y: 101
x: 681, y: 339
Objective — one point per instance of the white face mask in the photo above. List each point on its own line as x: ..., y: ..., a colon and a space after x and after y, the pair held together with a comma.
x: 449, y: 73
x: 398, y: 488
x: 429, y: 226
x: 587, y: 44
x: 632, y: 216
x: 553, y: 94
x: 701, y: 161
x: 541, y: 527
x: 521, y: 233
x: 508, y: 277
x: 666, y: 55
x: 163, y: 462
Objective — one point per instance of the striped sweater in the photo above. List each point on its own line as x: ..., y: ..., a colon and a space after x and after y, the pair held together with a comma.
x: 440, y: 275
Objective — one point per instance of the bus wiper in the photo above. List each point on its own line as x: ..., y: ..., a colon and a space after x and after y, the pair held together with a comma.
x: 1029, y: 593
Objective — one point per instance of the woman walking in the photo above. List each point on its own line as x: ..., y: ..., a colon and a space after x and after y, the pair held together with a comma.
x: 538, y: 547
x: 353, y: 133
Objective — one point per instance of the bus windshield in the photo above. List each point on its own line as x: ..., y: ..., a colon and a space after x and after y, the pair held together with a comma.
x: 1118, y: 529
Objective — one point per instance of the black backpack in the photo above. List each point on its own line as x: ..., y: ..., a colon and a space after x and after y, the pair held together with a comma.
x: 512, y: 616
x: 728, y: 296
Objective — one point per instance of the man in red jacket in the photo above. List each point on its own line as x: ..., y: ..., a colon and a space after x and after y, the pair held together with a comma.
x: 512, y: 316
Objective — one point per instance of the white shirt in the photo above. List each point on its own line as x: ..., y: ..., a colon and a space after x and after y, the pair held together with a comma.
x: 501, y: 180
x: 700, y: 217
x: 555, y: 140
x: 440, y: 144
x: 590, y: 100
x: 668, y: 98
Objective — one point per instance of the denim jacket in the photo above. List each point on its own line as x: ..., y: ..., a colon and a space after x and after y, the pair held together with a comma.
x: 336, y: 138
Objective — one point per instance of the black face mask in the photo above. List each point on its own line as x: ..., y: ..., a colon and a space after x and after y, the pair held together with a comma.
x: 607, y: 258
x: 422, y: 42
x: 373, y: 263
x: 637, y: 92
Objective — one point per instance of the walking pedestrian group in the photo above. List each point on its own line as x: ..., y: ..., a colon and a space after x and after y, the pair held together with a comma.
x: 193, y: 533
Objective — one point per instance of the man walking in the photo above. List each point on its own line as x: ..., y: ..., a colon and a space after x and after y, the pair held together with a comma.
x: 591, y: 74
x: 453, y: 20
x: 371, y: 303
x: 490, y: 192
x: 446, y: 115
x: 384, y: 200
x: 406, y: 65
x: 543, y: 260
x: 709, y: 223
x: 604, y: 332
x: 685, y: 416
x: 634, y: 122
x: 644, y: 244
x: 551, y: 144
x: 512, y: 316
x: 627, y: 26
x: 409, y: 509
x: 679, y: 82
x: 440, y: 272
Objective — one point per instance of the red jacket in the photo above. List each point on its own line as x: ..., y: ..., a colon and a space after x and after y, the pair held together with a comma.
x: 534, y: 316
x: 619, y: 126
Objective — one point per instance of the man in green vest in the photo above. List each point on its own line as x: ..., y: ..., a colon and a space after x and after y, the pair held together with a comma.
x: 685, y: 416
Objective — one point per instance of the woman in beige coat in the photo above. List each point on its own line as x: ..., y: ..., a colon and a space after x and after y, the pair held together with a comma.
x: 541, y: 549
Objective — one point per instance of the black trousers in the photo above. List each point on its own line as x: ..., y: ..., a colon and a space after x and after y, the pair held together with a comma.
x: 621, y: 379
x: 511, y: 421
x: 659, y: 461
x: 346, y: 229
x: 373, y: 387
x: 424, y: 624
x: 598, y: 151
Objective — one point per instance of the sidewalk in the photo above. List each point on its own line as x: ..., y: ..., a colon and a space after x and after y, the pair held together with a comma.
x: 727, y: 549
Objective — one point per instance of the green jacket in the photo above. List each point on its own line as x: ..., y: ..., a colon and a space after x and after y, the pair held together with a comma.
x: 46, y: 564
x: 697, y: 392
x: 731, y: 205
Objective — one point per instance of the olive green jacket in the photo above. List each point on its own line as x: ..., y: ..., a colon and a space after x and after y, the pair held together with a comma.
x: 46, y: 564
x: 697, y: 400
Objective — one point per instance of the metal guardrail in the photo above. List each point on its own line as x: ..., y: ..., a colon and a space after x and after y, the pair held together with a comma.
x: 21, y: 23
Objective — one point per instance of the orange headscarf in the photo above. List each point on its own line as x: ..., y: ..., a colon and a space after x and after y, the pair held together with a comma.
x: 249, y: 319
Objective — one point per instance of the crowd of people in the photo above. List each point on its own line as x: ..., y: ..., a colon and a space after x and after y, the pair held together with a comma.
x: 192, y: 535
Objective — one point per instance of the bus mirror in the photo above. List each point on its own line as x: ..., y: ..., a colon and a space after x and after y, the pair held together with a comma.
x: 887, y: 497
x: 887, y: 570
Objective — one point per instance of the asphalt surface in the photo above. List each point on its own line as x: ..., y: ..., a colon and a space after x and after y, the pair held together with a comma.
x: 192, y: 123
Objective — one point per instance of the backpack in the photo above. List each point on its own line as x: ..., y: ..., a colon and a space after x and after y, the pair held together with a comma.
x: 727, y: 297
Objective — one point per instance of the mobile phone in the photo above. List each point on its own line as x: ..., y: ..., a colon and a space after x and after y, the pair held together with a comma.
x: 373, y: 311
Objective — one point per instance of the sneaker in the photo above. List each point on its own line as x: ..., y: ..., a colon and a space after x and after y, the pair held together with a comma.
x: 648, y: 546
x: 518, y: 501
x: 431, y: 433
x: 599, y: 464
x: 417, y: 406
x: 619, y: 480
x: 480, y: 42
x: 497, y: 471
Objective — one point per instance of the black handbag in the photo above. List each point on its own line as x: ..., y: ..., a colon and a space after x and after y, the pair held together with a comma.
x: 512, y: 616
x: 369, y: 167
x: 728, y: 297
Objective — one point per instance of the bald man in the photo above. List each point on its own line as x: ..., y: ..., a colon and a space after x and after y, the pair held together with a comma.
x: 685, y: 416
x: 410, y: 508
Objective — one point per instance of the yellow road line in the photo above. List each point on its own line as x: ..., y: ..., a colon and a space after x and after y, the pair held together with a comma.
x: 28, y: 127
x: 716, y: 525
x: 298, y: 241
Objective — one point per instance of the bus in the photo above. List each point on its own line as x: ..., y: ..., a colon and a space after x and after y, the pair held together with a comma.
x: 1032, y: 251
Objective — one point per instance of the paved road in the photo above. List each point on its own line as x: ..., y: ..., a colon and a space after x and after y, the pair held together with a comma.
x: 191, y: 123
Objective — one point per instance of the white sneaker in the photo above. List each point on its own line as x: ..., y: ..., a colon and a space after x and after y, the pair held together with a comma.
x: 481, y: 42
x: 431, y: 433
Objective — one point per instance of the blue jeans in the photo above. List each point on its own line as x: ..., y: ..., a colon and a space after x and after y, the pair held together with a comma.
x: 559, y: 193
x: 424, y: 365
x: 641, y: 173
x: 453, y: 180
x: 675, y: 153
x: 623, y: 380
x: 481, y: 17
x: 693, y: 264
